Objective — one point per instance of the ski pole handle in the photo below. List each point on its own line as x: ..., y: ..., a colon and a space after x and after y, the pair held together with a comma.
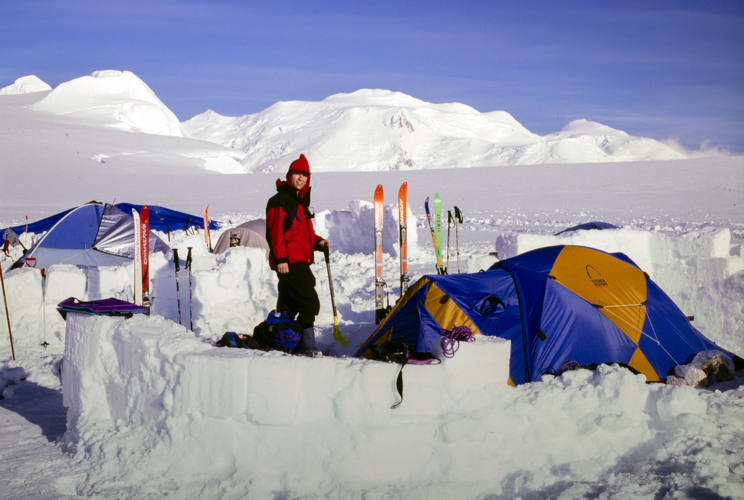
x: 458, y: 215
x: 175, y: 259
x: 188, y: 259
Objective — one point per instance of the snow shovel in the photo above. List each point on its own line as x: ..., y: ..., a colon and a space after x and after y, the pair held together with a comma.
x: 337, y: 335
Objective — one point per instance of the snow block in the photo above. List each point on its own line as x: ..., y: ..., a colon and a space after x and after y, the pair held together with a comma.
x: 352, y: 231
x: 151, y: 378
x: 490, y: 354
x: 24, y: 300
x: 64, y: 281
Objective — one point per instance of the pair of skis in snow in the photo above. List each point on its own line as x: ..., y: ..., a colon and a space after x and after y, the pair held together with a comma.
x: 435, y: 226
x: 177, y: 262
x: 380, y: 284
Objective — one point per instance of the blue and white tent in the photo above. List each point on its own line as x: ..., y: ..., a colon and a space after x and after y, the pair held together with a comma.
x: 161, y: 219
x: 94, y: 234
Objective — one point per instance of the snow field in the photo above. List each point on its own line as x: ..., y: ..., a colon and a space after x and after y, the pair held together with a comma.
x: 604, y: 434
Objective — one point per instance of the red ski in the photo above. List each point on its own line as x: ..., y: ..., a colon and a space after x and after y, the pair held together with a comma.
x: 403, y: 232
x: 137, y: 278
x: 379, y: 212
x: 145, y: 255
x: 207, y: 235
x: 142, y: 257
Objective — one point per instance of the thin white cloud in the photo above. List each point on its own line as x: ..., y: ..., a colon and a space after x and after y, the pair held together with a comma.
x: 706, y: 149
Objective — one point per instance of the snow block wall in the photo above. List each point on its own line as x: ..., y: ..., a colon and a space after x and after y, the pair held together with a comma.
x: 152, y: 405
x: 352, y: 231
x: 701, y: 270
x: 217, y: 411
x: 233, y: 291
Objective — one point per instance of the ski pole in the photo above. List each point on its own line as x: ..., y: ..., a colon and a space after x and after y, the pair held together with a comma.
x: 191, y: 310
x: 458, y: 220
x: 25, y: 230
x: 450, y: 223
x: 44, y: 344
x: 337, y: 335
x: 178, y: 288
x: 7, y: 313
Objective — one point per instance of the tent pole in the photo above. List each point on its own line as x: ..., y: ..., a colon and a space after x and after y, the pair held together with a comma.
x: 7, y: 314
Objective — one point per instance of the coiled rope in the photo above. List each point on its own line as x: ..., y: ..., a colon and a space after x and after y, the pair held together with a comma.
x: 451, y: 339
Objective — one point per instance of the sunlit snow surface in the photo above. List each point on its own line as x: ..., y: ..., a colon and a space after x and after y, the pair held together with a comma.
x: 155, y: 411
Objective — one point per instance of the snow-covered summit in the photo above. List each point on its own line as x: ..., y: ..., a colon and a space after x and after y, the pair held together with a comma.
x: 578, y: 128
x: 616, y: 144
x: 26, y: 85
x: 374, y: 129
x: 389, y: 98
x: 115, y: 99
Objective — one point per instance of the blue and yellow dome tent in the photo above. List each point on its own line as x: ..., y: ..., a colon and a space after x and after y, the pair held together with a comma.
x: 555, y: 304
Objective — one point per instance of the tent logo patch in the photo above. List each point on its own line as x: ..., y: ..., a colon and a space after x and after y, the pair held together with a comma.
x: 595, y: 276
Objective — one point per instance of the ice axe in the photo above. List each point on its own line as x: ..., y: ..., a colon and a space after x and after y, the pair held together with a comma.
x: 337, y: 335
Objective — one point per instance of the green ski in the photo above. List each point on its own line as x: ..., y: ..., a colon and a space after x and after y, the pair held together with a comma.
x: 438, y: 229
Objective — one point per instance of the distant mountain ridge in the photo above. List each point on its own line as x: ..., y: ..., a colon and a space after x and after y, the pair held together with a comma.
x: 384, y: 130
x: 366, y: 130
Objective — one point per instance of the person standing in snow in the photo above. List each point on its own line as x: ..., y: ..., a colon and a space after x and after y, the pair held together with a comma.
x: 292, y: 241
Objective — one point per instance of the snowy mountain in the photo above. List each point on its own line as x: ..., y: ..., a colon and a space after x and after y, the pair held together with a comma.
x: 26, y: 85
x: 367, y: 130
x: 114, y: 99
x: 108, y: 122
x: 383, y: 130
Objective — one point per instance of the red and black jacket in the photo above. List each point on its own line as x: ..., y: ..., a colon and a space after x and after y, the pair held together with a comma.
x: 289, y: 226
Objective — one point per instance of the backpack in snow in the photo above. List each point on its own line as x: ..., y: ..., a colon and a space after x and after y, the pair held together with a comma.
x: 278, y: 332
x: 232, y: 339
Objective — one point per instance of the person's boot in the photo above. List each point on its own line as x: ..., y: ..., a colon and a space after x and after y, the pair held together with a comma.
x: 308, y: 342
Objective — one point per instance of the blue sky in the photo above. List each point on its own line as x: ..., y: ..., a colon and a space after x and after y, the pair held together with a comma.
x: 655, y: 68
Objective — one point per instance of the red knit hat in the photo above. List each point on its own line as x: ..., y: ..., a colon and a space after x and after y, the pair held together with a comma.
x: 300, y: 165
